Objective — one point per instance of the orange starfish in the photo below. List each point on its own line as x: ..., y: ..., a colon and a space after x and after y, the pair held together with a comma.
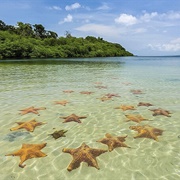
x: 86, y: 92
x: 83, y: 154
x: 137, y: 91
x: 63, y: 102
x: 104, y: 98
x: 135, y: 118
x: 101, y: 87
x: 147, y: 131
x: 29, y: 151
x: 125, y: 107
x: 29, y: 126
x: 113, y: 141
x: 160, y: 111
x: 98, y: 83
x: 68, y: 91
x: 31, y: 109
x: 73, y: 117
x: 109, y: 95
x: 126, y: 83
x: 144, y: 104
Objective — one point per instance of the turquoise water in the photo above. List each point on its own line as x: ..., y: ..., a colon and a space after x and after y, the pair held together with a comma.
x: 39, y: 83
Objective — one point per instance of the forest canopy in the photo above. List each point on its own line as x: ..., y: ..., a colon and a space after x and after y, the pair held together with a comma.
x: 34, y: 41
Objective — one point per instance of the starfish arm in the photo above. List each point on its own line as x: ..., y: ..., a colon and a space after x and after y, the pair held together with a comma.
x: 103, y: 140
x: 111, y: 146
x: 41, y: 108
x: 37, y: 154
x: 35, y: 111
x: 166, y: 113
x: 16, y: 153
x: 153, y: 136
x: 68, y: 150
x: 24, y: 112
x: 19, y: 123
x: 157, y: 131
x: 23, y: 158
x: 16, y: 128
x: 122, y: 139
x: 108, y: 135
x: 27, y: 108
x: 82, y: 117
x: 40, y: 146
x: 155, y: 114
x: 74, y: 164
x: 141, y: 134
x: 78, y: 121
x: 97, y: 152
x: 92, y: 162
x: 121, y: 144
x: 63, y: 117
x: 29, y: 128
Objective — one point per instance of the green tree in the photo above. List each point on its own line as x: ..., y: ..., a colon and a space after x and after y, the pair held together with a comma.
x: 39, y: 31
x: 25, y: 29
x: 2, y: 25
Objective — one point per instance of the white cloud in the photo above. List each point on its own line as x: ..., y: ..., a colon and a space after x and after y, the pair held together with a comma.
x: 68, y: 18
x: 139, y: 30
x: 98, y: 29
x: 126, y: 19
x: 173, y: 45
x: 73, y: 6
x: 55, y: 8
x: 104, y: 7
x: 173, y: 15
x: 148, y: 16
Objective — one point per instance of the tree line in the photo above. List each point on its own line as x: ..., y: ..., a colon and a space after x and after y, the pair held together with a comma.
x: 34, y: 41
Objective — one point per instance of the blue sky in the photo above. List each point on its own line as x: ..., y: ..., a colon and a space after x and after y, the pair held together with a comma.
x: 143, y: 27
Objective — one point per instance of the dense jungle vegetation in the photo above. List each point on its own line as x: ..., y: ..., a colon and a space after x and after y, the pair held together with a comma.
x: 33, y: 41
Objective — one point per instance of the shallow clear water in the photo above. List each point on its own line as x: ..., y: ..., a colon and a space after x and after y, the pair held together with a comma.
x: 39, y: 83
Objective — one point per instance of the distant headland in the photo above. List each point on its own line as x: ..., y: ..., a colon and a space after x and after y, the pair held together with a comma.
x: 33, y: 41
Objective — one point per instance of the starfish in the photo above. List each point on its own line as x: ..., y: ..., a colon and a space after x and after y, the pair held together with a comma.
x: 125, y: 107
x: 101, y: 87
x: 147, y: 131
x: 113, y: 141
x: 98, y: 83
x: 86, y: 92
x: 73, y: 117
x: 58, y: 134
x: 68, y: 91
x: 109, y: 95
x: 160, y: 111
x: 104, y: 98
x: 29, y: 151
x: 31, y: 109
x: 135, y: 118
x: 63, y: 102
x: 126, y: 83
x: 144, y: 104
x: 29, y: 125
x: 137, y: 91
x: 83, y: 154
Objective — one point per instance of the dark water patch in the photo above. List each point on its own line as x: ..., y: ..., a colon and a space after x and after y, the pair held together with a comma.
x: 15, y: 135
x: 173, y: 80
